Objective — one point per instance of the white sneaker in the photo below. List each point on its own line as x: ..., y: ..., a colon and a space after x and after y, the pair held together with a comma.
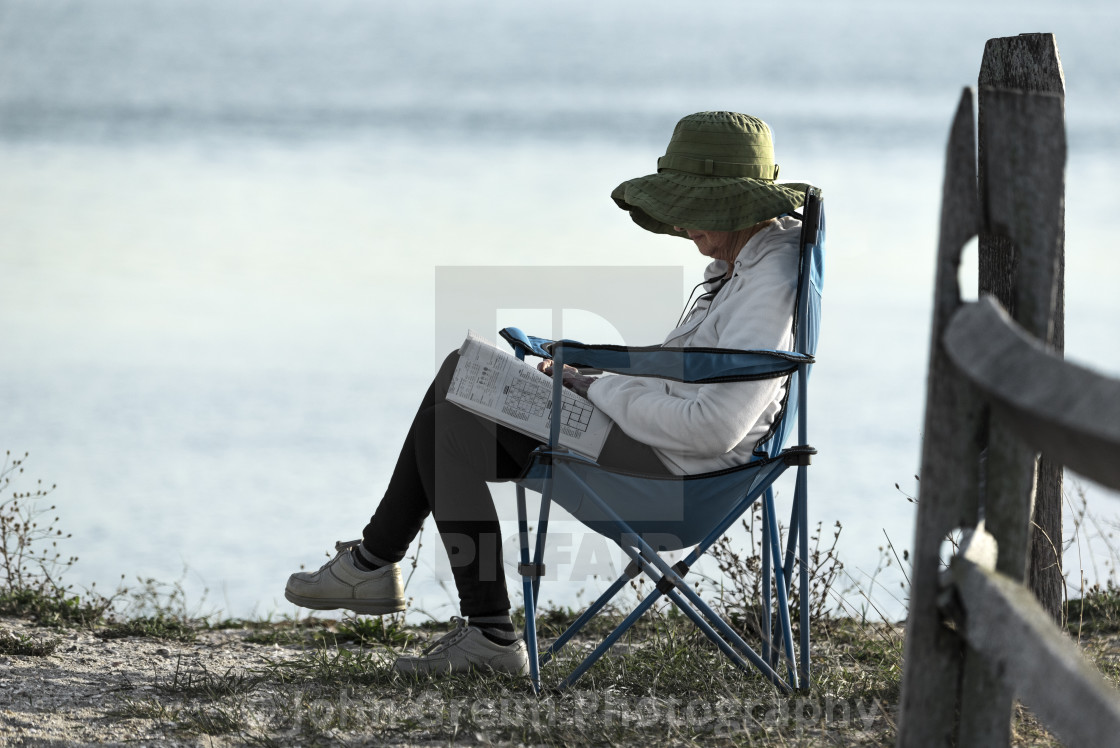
x: 463, y: 649
x: 341, y: 584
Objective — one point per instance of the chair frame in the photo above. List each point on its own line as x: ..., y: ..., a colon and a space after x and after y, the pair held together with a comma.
x: 668, y: 581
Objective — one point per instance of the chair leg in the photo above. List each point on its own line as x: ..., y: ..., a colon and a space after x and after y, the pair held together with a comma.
x: 797, y: 545
x: 714, y: 622
x: 780, y: 584
x: 542, y: 532
x: 802, y: 502
x: 734, y: 651
x: 612, y: 637
x: 797, y: 549
x: 529, y: 594
x: 768, y: 653
x: 792, y: 539
x: 584, y: 618
x: 531, y: 635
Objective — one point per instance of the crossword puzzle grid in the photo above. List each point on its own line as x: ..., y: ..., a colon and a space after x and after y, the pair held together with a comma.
x: 576, y: 415
x: 524, y: 399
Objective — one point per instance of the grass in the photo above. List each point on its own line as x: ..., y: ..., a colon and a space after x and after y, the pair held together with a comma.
x: 211, y: 720
x: 387, y: 630
x: 668, y: 684
x: 861, y: 660
x: 52, y: 607
x: 154, y: 627
x: 331, y: 665
x: 207, y: 685
x: 147, y: 709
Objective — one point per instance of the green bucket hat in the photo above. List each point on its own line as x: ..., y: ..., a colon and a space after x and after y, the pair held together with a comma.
x: 716, y: 175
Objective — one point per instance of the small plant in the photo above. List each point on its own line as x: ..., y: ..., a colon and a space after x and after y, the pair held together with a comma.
x: 143, y: 709
x: 210, y: 720
x: 741, y: 592
x: 152, y: 598
x: 209, y: 685
x: 12, y: 643
x: 31, y: 565
x: 1096, y: 612
x: 55, y: 607
x: 29, y: 555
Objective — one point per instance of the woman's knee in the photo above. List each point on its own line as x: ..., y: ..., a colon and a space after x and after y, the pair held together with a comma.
x: 446, y: 371
x: 450, y: 361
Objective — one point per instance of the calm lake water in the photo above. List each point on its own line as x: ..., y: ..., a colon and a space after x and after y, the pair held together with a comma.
x: 221, y: 223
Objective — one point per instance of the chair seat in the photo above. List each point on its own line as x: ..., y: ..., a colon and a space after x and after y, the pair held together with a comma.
x: 668, y: 512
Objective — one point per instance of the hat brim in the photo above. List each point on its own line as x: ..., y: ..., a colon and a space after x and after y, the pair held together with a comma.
x: 658, y: 202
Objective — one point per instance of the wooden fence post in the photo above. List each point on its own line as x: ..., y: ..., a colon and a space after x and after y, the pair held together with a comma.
x: 950, y: 468
x: 1024, y: 159
x: 1028, y: 62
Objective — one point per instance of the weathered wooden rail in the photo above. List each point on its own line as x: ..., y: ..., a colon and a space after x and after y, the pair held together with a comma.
x: 997, y: 396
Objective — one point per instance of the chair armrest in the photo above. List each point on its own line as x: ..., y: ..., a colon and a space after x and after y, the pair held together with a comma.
x: 698, y: 365
x: 529, y: 345
x: 679, y: 364
x: 524, y: 344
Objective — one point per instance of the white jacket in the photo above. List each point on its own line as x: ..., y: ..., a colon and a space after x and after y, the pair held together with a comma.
x: 695, y: 428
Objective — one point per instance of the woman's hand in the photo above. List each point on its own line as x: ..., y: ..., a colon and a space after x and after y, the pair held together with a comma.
x: 573, y: 380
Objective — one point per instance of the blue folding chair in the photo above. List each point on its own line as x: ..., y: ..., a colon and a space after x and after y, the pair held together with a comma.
x: 646, y: 514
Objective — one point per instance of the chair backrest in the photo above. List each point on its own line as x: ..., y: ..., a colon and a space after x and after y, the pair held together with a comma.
x: 806, y: 323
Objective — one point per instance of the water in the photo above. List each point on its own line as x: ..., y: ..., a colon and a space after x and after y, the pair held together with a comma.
x: 221, y: 223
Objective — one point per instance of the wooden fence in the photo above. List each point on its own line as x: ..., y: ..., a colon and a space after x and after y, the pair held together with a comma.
x: 976, y: 638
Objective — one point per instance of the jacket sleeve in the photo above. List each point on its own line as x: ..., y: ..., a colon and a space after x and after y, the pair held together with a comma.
x: 707, y: 420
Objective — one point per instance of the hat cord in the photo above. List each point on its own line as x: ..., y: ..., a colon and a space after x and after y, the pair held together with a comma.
x: 708, y: 295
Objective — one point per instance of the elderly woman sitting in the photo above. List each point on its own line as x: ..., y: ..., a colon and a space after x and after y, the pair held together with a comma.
x: 715, y: 186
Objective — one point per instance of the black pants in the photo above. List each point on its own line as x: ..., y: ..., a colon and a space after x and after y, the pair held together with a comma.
x: 448, y: 457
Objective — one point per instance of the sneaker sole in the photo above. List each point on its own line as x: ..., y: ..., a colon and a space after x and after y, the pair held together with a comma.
x: 371, y: 607
x: 432, y: 671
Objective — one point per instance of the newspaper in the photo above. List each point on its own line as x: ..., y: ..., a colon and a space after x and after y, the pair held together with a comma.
x: 498, y: 386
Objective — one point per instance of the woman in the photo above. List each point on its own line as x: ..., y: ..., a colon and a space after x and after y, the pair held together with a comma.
x: 714, y: 186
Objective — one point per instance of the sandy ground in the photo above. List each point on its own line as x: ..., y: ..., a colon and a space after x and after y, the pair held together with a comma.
x: 91, y: 691
x: 80, y: 694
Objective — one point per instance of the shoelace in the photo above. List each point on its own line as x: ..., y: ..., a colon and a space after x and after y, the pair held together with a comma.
x: 340, y: 547
x: 447, y: 639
